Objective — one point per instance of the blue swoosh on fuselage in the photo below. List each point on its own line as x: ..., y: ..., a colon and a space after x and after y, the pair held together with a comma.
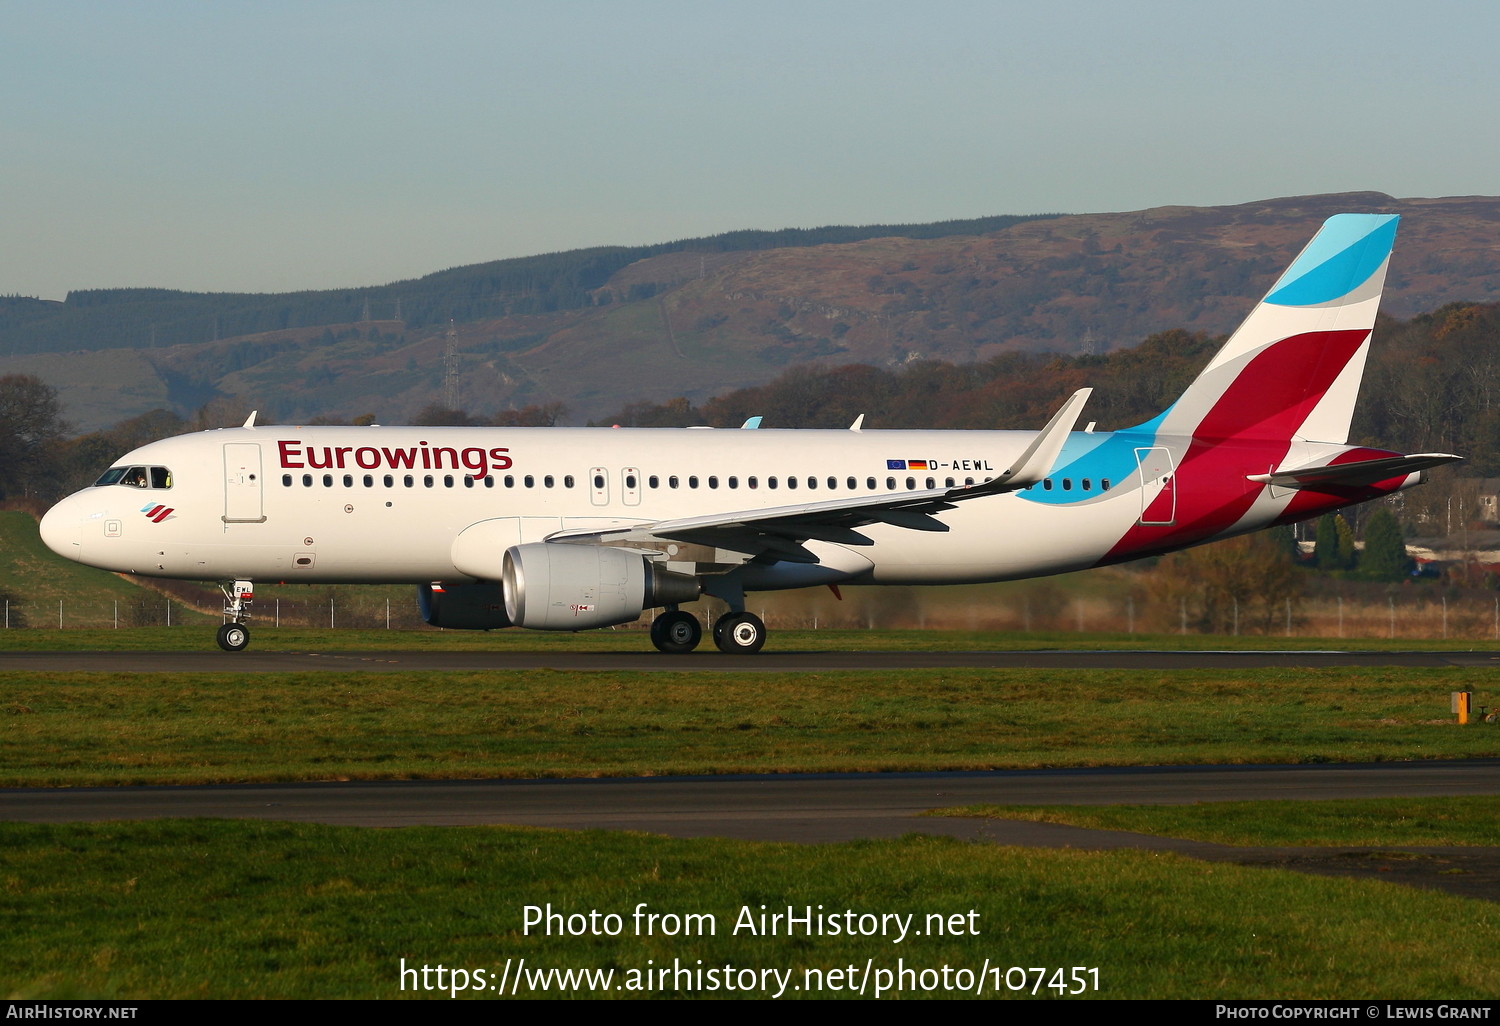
x: 1103, y: 456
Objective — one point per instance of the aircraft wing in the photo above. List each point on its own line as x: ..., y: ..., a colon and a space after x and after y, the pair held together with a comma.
x: 779, y: 531
x: 1354, y: 475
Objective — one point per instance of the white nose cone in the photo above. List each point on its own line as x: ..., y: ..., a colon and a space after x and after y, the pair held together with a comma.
x: 62, y: 532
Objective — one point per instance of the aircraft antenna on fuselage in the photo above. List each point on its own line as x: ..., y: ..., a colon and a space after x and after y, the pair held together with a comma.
x: 250, y: 420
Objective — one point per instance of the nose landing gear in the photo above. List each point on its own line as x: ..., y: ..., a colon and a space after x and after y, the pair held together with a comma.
x: 234, y: 636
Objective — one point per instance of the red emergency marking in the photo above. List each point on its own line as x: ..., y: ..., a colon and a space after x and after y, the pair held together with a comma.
x: 476, y: 460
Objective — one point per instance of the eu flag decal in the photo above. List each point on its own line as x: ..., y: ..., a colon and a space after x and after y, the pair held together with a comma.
x: 895, y: 464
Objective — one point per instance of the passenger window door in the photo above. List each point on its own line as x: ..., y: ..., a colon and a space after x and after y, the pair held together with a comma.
x: 630, y: 478
x: 599, y: 486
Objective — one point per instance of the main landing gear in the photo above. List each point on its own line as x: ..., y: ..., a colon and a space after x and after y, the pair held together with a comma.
x: 677, y: 633
x: 233, y: 636
x: 739, y: 633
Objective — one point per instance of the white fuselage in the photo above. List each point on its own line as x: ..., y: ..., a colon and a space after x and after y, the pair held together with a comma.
x: 254, y: 503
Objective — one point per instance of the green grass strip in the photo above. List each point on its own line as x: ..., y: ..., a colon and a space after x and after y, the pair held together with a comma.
x: 95, y: 728
x: 198, y: 637
x: 211, y: 909
x: 1344, y: 822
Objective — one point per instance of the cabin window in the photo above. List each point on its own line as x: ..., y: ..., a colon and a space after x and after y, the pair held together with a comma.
x: 969, y: 481
x: 693, y: 482
x: 771, y: 482
x: 348, y: 480
x: 890, y: 484
x: 489, y: 480
x: 369, y: 481
x: 812, y: 482
x: 713, y: 482
x: 672, y: 482
x: 931, y: 483
x: 161, y: 477
x: 408, y: 480
x: 870, y: 483
x: 567, y: 480
x: 653, y: 481
x: 327, y: 480
x: 911, y: 483
x: 388, y: 481
x: 529, y: 481
x: 447, y: 480
x: 791, y: 482
x: 752, y: 482
x: 1046, y: 484
x: 426, y: 480
x: 734, y: 482
x: 833, y: 482
x: 1104, y: 484
x: 510, y: 481
x: 548, y: 481
x: 468, y: 481
x: 306, y: 480
x: 851, y: 483
x: 947, y: 482
x: 1086, y: 484
x: 286, y: 480
x: 629, y: 482
x: 598, y: 482
x: 1067, y: 484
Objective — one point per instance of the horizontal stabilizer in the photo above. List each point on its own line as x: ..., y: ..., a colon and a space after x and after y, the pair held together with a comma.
x: 1355, y: 475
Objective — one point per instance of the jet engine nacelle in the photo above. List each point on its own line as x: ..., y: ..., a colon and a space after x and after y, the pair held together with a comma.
x: 560, y: 587
x: 463, y: 607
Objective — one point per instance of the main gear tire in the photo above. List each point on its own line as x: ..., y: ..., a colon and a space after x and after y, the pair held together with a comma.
x: 233, y: 637
x: 676, y: 632
x: 739, y: 633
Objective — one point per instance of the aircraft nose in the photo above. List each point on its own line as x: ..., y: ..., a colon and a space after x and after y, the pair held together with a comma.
x: 62, y: 532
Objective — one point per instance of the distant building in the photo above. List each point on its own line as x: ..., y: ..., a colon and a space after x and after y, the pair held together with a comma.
x: 1489, y: 499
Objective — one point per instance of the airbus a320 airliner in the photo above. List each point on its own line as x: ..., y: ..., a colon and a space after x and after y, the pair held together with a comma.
x: 566, y: 529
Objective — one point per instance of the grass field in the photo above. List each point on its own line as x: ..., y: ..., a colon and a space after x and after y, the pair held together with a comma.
x: 1438, y: 821
x: 198, y: 636
x: 241, y: 909
x: 93, y: 728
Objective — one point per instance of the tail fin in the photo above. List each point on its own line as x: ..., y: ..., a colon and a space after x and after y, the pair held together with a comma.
x: 1294, y: 366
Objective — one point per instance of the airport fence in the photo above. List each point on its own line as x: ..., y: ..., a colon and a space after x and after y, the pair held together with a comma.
x: 1396, y: 616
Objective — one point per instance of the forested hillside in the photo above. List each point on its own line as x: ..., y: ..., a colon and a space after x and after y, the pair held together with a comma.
x: 155, y: 318
x: 595, y: 329
x: 1432, y: 384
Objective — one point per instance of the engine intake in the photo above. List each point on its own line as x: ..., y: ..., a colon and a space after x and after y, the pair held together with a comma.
x: 559, y: 587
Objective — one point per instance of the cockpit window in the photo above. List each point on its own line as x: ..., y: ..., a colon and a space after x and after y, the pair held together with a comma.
x: 137, y: 477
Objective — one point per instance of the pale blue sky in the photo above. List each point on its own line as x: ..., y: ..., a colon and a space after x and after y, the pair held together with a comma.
x: 274, y: 146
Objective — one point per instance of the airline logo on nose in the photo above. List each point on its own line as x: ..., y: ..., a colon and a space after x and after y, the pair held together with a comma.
x: 156, y: 514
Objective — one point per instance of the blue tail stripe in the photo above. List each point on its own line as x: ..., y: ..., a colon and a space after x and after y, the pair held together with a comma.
x: 1349, y: 249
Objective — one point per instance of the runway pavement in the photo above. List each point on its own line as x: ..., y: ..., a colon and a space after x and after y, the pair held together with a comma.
x: 253, y: 661
x: 803, y: 808
x: 813, y: 809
